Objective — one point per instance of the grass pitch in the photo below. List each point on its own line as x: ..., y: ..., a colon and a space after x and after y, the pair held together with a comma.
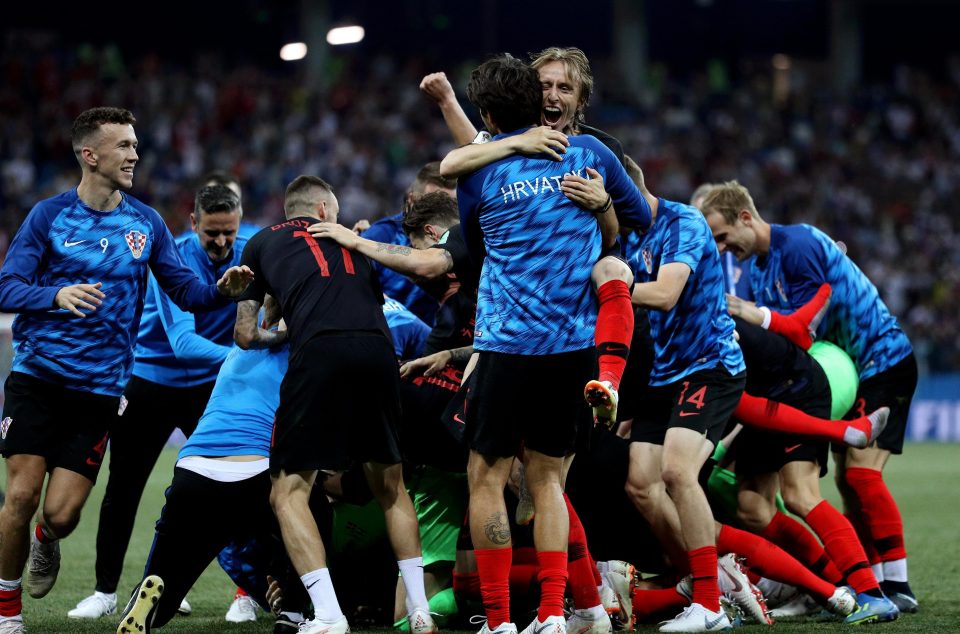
x: 922, y: 480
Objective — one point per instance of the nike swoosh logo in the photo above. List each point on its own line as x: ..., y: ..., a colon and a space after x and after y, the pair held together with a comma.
x: 791, y: 449
x: 737, y: 587
x: 546, y: 627
x: 715, y: 622
x: 457, y: 418
x: 689, y: 413
x: 73, y: 244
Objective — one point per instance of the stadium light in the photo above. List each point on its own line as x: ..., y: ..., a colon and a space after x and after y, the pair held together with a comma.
x: 293, y: 51
x: 345, y: 35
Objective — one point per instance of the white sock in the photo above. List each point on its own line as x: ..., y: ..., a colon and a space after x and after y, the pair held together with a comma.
x: 412, y: 572
x: 895, y: 570
x: 324, y: 598
x: 878, y: 572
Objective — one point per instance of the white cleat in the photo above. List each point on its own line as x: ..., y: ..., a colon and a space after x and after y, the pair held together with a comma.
x: 503, y: 628
x: 801, y: 605
x: 12, y: 627
x: 96, y: 605
x: 553, y: 625
x: 314, y: 626
x: 185, y: 608
x: 44, y: 566
x: 696, y: 618
x: 588, y: 622
x: 734, y: 583
x: 242, y: 610
x: 842, y: 602
x: 621, y: 576
x: 421, y: 622
x: 604, y: 399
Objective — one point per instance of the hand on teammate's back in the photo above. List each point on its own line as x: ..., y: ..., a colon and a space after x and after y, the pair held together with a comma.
x: 235, y: 280
x: 586, y: 193
x: 338, y: 233
x: 542, y: 140
x: 85, y: 296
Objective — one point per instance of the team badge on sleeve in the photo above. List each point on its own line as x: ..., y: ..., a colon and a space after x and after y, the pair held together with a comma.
x: 136, y: 241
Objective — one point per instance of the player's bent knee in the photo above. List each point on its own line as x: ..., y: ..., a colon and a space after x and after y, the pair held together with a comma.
x: 21, y: 504
x: 611, y: 268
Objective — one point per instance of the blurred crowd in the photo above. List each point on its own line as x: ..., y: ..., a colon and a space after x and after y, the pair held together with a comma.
x: 878, y: 169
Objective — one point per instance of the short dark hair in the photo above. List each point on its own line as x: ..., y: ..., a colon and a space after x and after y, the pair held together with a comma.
x: 508, y: 91
x: 297, y: 194
x: 214, y: 198
x: 429, y: 174
x: 435, y: 208
x: 89, y: 122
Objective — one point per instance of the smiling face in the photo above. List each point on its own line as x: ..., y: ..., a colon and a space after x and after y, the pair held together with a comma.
x: 115, y: 153
x: 561, y: 96
x: 217, y: 231
x: 739, y: 238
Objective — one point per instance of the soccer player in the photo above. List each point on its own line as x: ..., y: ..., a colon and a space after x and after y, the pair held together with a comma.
x: 767, y: 462
x: 534, y: 327
x: 696, y: 382
x: 331, y: 301
x: 792, y: 262
x: 176, y: 361
x: 222, y: 468
x: 76, y: 274
x: 390, y: 231
x: 566, y: 83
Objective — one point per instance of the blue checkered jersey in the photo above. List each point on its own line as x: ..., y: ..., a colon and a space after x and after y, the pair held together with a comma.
x: 181, y: 349
x: 737, y: 276
x: 409, y: 332
x: 801, y: 258
x: 697, y: 333
x: 64, y: 242
x: 397, y: 285
x: 535, y: 296
x: 238, y: 420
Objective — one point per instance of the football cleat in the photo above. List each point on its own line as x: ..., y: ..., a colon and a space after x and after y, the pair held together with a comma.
x: 621, y: 576
x: 586, y: 622
x: 242, y: 610
x: 138, y: 615
x: 842, y: 602
x: 553, y: 625
x: 44, y: 567
x: 696, y: 618
x: 872, y: 609
x: 734, y: 583
x: 421, y: 622
x: 603, y: 398
x: 96, y: 605
x: 313, y: 626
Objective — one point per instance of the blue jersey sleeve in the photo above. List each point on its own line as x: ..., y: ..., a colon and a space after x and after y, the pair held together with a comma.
x: 805, y: 259
x: 19, y: 291
x: 632, y: 208
x: 468, y: 200
x: 180, y: 283
x: 682, y: 244
x: 181, y: 330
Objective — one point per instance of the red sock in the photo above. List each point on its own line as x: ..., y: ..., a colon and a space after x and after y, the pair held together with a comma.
x: 11, y: 603
x: 842, y: 546
x: 240, y: 593
x: 42, y: 536
x: 553, y: 581
x: 493, y: 566
x: 793, y: 537
x: 703, y: 567
x: 772, y: 562
x: 647, y: 603
x: 800, y: 326
x: 580, y: 566
x: 614, y: 330
x: 863, y: 534
x: 880, y: 512
x: 466, y: 585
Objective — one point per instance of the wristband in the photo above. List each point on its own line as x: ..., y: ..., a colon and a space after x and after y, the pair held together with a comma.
x: 767, y: 318
x: 606, y: 207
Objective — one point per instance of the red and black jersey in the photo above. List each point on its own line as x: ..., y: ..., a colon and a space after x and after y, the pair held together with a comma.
x: 321, y: 287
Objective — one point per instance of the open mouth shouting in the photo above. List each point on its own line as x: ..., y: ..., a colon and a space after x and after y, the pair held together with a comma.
x: 551, y: 116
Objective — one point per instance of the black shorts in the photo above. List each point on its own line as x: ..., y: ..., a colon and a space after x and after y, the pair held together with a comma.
x: 757, y: 451
x: 423, y: 432
x: 893, y: 388
x: 66, y: 427
x: 533, y: 399
x: 702, y: 401
x: 339, y: 404
x: 636, y: 376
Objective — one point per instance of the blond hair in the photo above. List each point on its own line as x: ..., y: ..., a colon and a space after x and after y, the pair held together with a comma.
x: 727, y: 199
x: 578, y: 67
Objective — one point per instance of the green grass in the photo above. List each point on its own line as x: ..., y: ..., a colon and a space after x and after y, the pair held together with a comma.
x: 922, y: 480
